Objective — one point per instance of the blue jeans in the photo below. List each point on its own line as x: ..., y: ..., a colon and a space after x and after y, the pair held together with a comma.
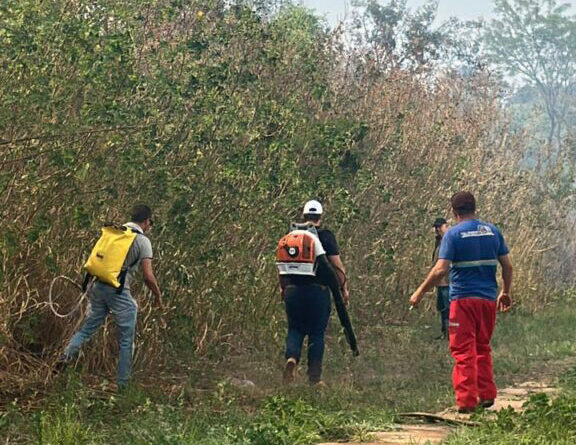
x: 103, y: 300
x: 443, y: 306
x: 308, y: 312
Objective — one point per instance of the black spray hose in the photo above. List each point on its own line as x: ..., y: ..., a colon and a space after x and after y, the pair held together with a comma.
x: 327, y: 276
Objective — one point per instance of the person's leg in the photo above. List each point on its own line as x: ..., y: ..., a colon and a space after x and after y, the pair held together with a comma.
x: 124, y: 309
x: 295, y: 337
x: 294, y: 341
x: 485, y: 329
x: 315, y: 357
x: 97, y: 312
x: 318, y: 322
x: 443, y: 306
x: 463, y: 349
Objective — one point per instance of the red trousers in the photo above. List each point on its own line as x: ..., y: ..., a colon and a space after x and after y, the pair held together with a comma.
x: 471, y: 326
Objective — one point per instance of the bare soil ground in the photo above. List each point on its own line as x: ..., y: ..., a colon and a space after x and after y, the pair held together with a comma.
x: 434, y: 428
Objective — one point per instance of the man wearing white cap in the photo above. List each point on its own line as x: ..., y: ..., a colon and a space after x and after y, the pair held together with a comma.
x: 307, y: 301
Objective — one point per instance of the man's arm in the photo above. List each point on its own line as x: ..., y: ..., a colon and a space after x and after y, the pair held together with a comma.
x: 434, y: 277
x: 336, y: 262
x: 504, y: 300
x: 150, y: 281
x: 282, y: 281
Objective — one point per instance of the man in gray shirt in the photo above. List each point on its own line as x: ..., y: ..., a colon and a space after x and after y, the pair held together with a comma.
x: 105, y: 299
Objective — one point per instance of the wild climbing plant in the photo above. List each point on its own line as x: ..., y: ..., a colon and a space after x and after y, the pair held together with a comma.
x: 225, y: 119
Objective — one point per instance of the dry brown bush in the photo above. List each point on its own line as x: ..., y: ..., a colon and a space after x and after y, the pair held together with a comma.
x: 227, y: 163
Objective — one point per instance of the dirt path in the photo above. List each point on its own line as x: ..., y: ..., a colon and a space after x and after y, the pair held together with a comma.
x: 435, y: 428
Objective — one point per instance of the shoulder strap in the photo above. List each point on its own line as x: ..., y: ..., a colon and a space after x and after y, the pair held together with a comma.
x: 87, y: 278
x: 304, y: 226
x: 124, y: 273
x: 132, y: 229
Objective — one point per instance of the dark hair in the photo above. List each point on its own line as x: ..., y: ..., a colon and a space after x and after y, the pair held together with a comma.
x: 439, y: 222
x: 463, y: 203
x: 312, y: 217
x: 140, y: 213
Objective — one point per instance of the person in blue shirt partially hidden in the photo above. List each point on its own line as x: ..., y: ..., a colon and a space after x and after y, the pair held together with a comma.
x: 442, y: 288
x: 471, y: 250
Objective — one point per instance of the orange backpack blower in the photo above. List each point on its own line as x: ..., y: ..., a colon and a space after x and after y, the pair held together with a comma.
x: 296, y: 252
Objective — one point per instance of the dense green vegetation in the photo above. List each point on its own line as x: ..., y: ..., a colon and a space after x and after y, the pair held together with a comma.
x: 226, y: 117
x: 225, y: 120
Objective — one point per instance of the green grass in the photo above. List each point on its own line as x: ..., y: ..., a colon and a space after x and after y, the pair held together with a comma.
x: 401, y: 368
x: 544, y: 421
x: 546, y: 340
x: 538, y: 346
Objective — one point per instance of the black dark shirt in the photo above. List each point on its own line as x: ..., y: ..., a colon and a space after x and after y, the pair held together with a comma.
x: 329, y: 242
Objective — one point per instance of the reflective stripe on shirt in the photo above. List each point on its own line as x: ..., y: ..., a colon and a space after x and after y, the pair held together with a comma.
x: 478, y: 263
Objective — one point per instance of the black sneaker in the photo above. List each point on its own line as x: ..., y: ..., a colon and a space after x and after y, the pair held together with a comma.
x: 486, y: 403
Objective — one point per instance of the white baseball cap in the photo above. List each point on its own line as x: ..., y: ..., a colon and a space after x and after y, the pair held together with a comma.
x: 312, y: 208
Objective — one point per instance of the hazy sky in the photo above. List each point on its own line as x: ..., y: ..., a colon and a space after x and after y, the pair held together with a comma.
x: 463, y: 9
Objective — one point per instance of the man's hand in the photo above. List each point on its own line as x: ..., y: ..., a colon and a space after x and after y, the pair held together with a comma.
x: 150, y: 281
x: 504, y: 302
x: 346, y: 296
x: 160, y: 304
x: 439, y: 270
x: 416, y: 298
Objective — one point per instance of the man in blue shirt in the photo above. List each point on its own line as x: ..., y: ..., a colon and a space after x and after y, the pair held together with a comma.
x: 471, y: 250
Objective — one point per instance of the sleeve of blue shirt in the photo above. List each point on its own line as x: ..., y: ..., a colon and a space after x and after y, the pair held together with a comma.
x: 447, y: 250
x: 502, y: 248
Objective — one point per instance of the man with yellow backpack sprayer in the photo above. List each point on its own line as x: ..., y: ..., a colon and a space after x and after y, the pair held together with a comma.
x: 305, y: 260
x: 113, y: 263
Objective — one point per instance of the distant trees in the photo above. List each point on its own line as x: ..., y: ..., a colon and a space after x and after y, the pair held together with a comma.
x: 536, y: 40
x: 396, y: 36
x: 531, y: 40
